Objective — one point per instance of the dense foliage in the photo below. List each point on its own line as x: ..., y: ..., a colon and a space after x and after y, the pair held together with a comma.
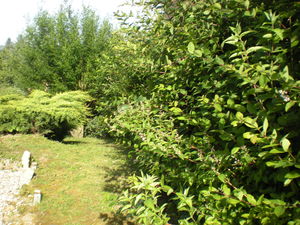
x: 217, y: 127
x: 53, y: 116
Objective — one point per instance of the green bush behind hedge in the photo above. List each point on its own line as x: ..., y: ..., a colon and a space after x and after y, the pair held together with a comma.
x: 40, y: 112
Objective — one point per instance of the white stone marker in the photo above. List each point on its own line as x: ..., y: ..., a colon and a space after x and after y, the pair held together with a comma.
x: 26, y: 159
x: 37, y: 197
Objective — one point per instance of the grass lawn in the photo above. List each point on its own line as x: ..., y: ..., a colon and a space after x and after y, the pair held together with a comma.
x: 80, y: 179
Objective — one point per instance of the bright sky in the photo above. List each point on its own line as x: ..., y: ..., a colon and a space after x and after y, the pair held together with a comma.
x: 16, y: 14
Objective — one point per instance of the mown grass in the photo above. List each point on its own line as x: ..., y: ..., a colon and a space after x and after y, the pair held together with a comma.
x: 80, y: 179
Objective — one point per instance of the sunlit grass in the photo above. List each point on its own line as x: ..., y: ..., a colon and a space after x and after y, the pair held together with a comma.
x: 80, y: 179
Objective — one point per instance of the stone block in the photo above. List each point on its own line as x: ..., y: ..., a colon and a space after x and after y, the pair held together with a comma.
x: 37, y: 197
x: 26, y: 159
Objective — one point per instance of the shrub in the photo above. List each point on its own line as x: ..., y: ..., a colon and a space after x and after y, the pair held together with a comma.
x: 53, y: 116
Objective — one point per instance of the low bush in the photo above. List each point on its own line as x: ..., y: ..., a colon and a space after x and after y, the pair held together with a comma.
x: 39, y: 112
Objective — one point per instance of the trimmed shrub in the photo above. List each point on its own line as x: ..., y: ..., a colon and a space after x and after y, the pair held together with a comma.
x: 39, y: 112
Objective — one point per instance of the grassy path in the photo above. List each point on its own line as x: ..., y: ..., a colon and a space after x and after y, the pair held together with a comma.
x: 80, y: 179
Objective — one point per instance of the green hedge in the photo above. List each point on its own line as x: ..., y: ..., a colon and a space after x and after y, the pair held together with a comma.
x: 218, y: 137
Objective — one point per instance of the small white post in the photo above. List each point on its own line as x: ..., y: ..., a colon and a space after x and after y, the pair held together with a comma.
x: 37, y: 197
x: 26, y: 159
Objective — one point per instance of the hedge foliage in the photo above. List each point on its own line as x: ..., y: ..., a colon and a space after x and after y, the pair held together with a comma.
x: 217, y: 130
x: 39, y: 112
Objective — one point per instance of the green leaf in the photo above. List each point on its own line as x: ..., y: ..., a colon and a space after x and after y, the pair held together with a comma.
x: 285, y: 144
x: 176, y: 110
x: 249, y: 122
x: 225, y: 136
x: 255, y: 49
x: 274, y: 134
x: 254, y: 139
x: 245, y: 215
x: 268, y: 36
x: 279, y: 211
x: 265, y: 126
x: 206, y: 12
x: 247, y: 4
x: 167, y: 189
x: 239, y: 108
x: 226, y: 190
x: 276, y: 151
x: 239, y: 194
x: 279, y: 33
x: 230, y: 102
x: 198, y: 53
x: 234, y: 123
x: 292, y: 175
x: 287, y: 182
x: 270, y: 146
x: 260, y: 199
x: 219, y: 61
x: 232, y: 201
x: 263, y: 80
x: 222, y: 178
x: 191, y: 47
x: 124, y: 208
x: 278, y: 164
x: 239, y: 116
x: 251, y: 199
x: 137, y: 199
x: 294, y: 41
x: 265, y: 221
x: 263, y: 154
x: 247, y: 135
x: 289, y: 105
x: 217, y: 6
x: 235, y: 150
x: 149, y: 204
x: 218, y: 107
x: 172, y: 30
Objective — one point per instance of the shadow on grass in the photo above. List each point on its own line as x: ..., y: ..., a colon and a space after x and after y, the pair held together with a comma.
x: 116, y: 178
x: 67, y: 142
x: 116, y: 182
x: 106, y: 141
x: 115, y: 219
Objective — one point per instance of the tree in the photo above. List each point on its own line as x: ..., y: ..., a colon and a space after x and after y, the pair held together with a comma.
x: 8, y: 42
x: 58, y: 52
x: 6, y: 73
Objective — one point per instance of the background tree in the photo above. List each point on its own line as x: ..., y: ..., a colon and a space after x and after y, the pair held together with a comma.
x: 6, y: 54
x: 58, y: 52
